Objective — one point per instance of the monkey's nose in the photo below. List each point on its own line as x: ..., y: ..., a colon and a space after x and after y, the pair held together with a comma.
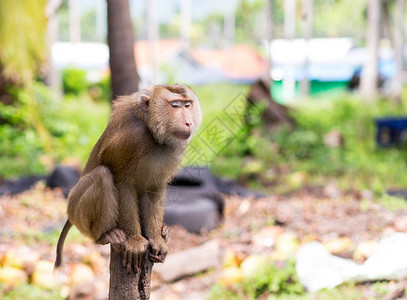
x: 189, y: 124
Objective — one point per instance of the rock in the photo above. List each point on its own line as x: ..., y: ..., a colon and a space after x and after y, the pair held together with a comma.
x: 252, y: 264
x: 12, y: 276
x: 190, y: 261
x: 364, y: 250
x: 43, y: 274
x: 338, y: 245
x: 231, y: 276
x: 80, y: 273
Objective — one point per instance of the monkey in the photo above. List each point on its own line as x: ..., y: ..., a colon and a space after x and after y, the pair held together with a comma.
x: 119, y: 198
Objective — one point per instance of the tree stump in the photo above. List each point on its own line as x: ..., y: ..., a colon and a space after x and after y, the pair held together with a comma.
x: 275, y: 114
x: 125, y: 286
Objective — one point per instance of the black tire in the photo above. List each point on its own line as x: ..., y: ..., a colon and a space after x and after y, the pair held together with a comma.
x: 194, y: 215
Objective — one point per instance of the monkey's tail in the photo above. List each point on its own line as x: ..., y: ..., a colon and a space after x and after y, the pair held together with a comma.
x: 60, y: 245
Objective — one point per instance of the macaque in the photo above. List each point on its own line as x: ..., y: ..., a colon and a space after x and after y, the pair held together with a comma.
x: 120, y: 196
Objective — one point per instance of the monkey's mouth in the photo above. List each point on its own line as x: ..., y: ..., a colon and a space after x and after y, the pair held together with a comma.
x: 183, y: 135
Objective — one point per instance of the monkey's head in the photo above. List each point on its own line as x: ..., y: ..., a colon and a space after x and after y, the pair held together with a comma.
x: 172, y: 113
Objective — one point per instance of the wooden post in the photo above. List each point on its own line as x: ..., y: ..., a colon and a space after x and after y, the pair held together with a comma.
x: 125, y: 286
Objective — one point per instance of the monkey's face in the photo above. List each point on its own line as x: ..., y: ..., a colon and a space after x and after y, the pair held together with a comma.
x: 174, y: 114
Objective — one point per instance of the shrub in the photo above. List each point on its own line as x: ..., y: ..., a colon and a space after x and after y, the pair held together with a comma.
x: 74, y: 81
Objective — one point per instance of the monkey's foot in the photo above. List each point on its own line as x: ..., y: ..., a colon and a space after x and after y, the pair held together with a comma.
x: 114, y: 236
x: 158, y: 250
x: 133, y: 252
x: 165, y: 232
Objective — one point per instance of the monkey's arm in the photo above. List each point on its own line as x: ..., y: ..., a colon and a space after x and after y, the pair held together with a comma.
x: 152, y: 215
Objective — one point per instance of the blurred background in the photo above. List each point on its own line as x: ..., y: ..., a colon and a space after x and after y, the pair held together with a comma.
x: 303, y: 139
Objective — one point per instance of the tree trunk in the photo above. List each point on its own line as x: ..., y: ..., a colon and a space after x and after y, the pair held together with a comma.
x: 124, y: 286
x: 398, y: 49
x: 123, y: 69
x: 370, y: 72
x: 229, y: 28
x: 185, y: 23
x: 289, y: 34
x: 307, y: 16
x: 74, y: 21
x: 269, y: 38
x: 52, y: 78
x: 152, y: 26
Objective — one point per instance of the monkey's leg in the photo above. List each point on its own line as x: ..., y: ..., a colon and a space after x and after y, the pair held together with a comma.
x: 93, y: 207
x: 135, y: 245
x: 152, y: 220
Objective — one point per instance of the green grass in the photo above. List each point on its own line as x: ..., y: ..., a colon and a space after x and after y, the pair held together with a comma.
x: 29, y: 291
x: 32, y: 237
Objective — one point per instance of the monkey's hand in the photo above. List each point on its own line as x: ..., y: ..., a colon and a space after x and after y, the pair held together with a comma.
x: 133, y: 250
x: 114, y: 236
x: 158, y: 250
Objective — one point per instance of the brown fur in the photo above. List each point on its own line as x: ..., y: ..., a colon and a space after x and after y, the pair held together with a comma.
x: 119, y: 198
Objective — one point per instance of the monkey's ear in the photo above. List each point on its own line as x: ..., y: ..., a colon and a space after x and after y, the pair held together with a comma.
x: 144, y: 102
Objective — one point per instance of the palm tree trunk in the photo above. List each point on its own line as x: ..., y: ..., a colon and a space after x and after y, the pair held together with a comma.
x: 370, y: 73
x: 308, y: 12
x: 125, y: 79
x: 398, y: 49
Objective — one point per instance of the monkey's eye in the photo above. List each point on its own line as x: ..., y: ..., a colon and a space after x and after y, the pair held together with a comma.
x: 188, y: 104
x: 176, y: 104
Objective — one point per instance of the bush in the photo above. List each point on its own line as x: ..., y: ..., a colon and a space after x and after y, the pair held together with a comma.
x: 101, y: 90
x: 357, y: 165
x: 269, y: 280
x: 74, y: 81
x: 38, y: 124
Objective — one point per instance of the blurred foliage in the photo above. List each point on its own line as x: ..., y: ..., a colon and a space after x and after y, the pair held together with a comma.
x: 289, y: 159
x: 219, y: 125
x: 336, y: 18
x: 340, y: 18
x: 247, y: 25
x: 101, y: 90
x: 89, y: 30
x: 69, y: 132
x: 286, y: 160
x: 74, y: 81
x: 29, y: 291
x: 268, y: 280
x: 23, y: 28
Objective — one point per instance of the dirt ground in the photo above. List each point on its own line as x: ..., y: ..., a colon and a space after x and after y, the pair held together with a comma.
x: 35, y: 217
